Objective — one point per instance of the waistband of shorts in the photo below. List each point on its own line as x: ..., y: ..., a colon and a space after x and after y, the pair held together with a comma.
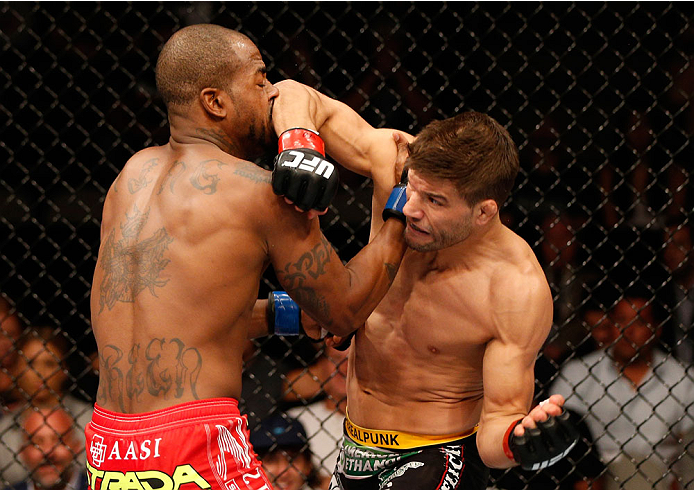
x: 181, y: 413
x: 393, y: 439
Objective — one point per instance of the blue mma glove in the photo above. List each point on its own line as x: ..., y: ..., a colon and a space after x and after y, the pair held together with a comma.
x: 283, y: 314
x: 396, y: 201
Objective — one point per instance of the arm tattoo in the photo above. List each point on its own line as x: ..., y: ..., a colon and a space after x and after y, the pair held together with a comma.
x: 391, y: 271
x: 131, y: 265
x: 172, y: 175
x: 311, y: 264
x: 169, y: 369
x: 253, y: 172
x: 141, y: 182
x: 204, y: 180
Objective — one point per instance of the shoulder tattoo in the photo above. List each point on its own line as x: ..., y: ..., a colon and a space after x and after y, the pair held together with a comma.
x: 172, y: 175
x: 204, y: 178
x: 142, y: 180
x: 252, y: 172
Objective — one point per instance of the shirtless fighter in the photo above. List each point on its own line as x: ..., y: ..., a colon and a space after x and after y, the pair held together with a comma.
x: 188, y: 229
x: 440, y: 377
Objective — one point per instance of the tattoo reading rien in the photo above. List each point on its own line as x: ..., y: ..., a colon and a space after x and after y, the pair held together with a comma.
x: 132, y: 265
x: 168, y: 369
x: 312, y: 264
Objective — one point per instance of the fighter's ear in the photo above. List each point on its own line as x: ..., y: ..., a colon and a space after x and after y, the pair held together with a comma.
x: 214, y: 101
x: 485, y: 210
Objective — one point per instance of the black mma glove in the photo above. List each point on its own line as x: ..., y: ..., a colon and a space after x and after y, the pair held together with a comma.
x: 301, y: 172
x: 396, y: 201
x: 539, y: 448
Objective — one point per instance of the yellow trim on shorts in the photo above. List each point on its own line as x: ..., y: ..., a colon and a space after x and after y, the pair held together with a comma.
x: 393, y: 439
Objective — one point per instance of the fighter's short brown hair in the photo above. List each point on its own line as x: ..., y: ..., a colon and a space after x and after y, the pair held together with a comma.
x: 196, y: 57
x: 472, y: 151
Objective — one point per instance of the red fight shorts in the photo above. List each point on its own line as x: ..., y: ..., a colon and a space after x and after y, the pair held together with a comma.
x: 201, y: 444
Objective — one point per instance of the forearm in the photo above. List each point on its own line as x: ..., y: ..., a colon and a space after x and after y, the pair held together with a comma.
x: 372, y: 270
x: 349, y: 139
x: 340, y: 297
x: 490, y: 440
x: 258, y: 325
x: 297, y: 106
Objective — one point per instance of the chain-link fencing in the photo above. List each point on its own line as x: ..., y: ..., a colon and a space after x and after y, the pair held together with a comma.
x: 597, y: 96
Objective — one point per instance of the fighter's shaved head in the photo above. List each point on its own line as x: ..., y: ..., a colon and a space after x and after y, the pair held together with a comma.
x: 196, y: 57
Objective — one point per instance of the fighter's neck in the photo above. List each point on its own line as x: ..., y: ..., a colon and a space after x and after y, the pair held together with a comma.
x: 189, y: 131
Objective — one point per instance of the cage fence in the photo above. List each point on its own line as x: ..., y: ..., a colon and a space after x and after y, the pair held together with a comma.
x: 597, y: 97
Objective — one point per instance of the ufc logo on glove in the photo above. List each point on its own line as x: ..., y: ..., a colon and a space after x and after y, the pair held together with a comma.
x: 309, y: 163
x: 301, y: 173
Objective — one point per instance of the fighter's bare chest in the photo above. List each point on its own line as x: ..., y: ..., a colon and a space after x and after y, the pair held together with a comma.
x: 436, y: 313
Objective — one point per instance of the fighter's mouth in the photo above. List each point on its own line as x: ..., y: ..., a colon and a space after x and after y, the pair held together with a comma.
x: 416, y: 229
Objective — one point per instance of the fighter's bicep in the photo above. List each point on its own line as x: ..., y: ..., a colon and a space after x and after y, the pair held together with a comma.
x: 508, y: 377
x: 522, y: 318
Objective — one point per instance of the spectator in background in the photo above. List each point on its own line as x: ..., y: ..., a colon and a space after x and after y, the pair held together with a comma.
x: 324, y: 418
x: 677, y: 293
x: 49, y: 451
x: 42, y: 381
x: 636, y: 401
x: 282, y: 447
x: 267, y: 361
x: 10, y: 331
x: 599, y: 325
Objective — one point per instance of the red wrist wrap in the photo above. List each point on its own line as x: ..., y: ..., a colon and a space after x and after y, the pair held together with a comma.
x: 507, y: 449
x: 301, y: 138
